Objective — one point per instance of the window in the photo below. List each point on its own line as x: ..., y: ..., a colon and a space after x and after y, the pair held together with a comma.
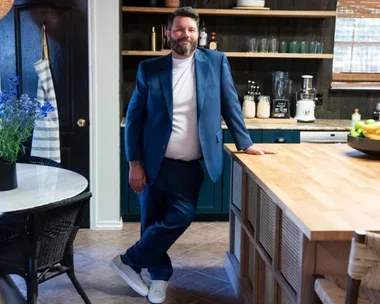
x: 357, y: 44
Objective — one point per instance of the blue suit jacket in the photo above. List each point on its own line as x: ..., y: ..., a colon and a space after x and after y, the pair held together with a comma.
x: 150, y: 112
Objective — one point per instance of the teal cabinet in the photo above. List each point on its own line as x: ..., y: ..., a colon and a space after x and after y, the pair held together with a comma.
x: 281, y: 136
x: 209, y: 201
x: 214, y: 198
x: 129, y: 201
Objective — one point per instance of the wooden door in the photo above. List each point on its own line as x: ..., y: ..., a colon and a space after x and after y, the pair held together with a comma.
x: 67, y: 36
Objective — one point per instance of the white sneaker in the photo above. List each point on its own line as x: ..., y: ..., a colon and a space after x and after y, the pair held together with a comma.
x: 130, y: 276
x: 157, y: 291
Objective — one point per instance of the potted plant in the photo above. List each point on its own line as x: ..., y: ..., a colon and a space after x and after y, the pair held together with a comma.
x: 17, y: 120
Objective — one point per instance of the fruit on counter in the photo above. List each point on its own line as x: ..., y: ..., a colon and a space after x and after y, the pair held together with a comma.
x: 367, y: 129
x: 353, y: 133
x: 371, y: 135
x: 370, y: 121
x: 359, y: 125
x: 371, y: 131
x: 371, y: 128
x: 357, y: 130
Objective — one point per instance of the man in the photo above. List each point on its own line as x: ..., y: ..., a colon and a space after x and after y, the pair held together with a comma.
x: 174, y: 120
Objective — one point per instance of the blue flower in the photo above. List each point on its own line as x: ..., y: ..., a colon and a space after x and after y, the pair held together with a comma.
x: 17, y: 119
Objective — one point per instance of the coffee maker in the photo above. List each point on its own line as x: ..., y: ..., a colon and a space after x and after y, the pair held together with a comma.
x: 306, y: 97
x: 281, y: 88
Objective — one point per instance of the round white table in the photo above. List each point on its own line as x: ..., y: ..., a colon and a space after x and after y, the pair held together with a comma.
x: 37, y: 185
x: 40, y: 185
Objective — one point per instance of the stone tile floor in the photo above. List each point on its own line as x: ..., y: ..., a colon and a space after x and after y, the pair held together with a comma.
x: 197, y: 257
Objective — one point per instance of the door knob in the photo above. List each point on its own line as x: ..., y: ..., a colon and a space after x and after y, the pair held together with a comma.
x: 81, y: 123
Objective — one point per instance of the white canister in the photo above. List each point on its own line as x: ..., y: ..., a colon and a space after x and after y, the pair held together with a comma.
x: 249, y: 107
x: 263, y: 107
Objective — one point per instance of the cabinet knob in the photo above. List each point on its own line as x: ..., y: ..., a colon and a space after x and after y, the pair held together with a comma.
x: 81, y: 123
x: 280, y: 140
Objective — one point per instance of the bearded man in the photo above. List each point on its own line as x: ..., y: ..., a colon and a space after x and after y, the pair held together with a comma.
x: 173, y: 122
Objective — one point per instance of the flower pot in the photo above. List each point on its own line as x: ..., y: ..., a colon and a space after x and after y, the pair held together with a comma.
x: 171, y: 3
x: 8, y: 180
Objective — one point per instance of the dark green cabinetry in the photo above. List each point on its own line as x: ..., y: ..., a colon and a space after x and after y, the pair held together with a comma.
x: 214, y: 198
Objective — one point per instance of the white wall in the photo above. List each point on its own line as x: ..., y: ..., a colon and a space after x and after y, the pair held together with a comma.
x: 104, y: 113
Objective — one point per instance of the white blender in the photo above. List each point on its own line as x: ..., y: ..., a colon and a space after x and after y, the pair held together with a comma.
x: 306, y: 98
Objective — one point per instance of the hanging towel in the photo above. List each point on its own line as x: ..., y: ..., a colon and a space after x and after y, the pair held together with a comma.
x: 46, y: 141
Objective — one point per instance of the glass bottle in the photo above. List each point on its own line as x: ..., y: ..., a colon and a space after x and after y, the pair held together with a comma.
x: 203, y: 36
x: 213, y: 44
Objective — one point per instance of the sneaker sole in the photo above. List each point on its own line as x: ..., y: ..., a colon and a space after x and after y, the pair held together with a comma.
x: 128, y: 280
x: 156, y: 302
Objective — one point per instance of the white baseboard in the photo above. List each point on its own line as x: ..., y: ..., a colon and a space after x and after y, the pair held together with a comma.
x: 108, y: 225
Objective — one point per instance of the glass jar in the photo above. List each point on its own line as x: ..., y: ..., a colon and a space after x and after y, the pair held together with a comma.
x: 249, y: 107
x: 263, y: 107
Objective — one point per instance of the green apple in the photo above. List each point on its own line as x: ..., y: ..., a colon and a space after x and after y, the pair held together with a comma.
x: 360, y: 133
x: 358, y: 125
x: 369, y: 121
x: 353, y: 133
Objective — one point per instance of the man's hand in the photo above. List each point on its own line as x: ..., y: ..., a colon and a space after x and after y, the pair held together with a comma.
x: 258, y: 151
x: 137, y: 178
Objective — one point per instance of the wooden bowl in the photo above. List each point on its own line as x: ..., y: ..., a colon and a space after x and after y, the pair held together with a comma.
x: 368, y: 146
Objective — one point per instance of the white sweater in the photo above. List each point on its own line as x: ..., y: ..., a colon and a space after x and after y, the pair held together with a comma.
x: 184, y: 140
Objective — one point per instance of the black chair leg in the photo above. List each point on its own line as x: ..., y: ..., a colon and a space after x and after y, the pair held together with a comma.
x: 31, y: 288
x: 77, y: 286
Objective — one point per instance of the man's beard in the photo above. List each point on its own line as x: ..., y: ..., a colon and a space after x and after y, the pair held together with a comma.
x: 183, y: 49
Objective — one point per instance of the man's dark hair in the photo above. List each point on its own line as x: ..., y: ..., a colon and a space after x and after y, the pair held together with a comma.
x: 184, y: 11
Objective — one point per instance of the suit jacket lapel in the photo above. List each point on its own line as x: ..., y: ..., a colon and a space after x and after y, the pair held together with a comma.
x: 166, y: 81
x: 201, y: 76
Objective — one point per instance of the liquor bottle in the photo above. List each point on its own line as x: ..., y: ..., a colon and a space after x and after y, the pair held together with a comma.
x: 213, y: 44
x: 203, y: 36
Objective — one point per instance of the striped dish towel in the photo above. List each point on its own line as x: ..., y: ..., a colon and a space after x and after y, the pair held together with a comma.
x: 46, y: 141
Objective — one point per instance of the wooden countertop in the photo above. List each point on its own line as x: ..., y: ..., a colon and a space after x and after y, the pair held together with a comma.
x: 318, y: 125
x: 328, y: 190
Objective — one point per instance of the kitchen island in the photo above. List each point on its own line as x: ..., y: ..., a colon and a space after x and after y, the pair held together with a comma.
x: 293, y: 215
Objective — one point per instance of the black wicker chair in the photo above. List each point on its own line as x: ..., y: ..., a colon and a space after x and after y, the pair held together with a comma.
x: 38, y: 161
x: 37, y: 243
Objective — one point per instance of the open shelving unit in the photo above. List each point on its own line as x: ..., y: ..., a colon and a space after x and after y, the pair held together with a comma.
x: 234, y: 12
x: 240, y: 54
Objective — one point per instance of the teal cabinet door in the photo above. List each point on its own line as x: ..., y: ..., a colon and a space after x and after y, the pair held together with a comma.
x: 128, y: 199
x: 209, y: 201
x: 226, y: 178
x: 281, y: 136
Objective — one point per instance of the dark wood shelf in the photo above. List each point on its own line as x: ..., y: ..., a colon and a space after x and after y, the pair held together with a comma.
x: 240, y: 54
x: 235, y: 12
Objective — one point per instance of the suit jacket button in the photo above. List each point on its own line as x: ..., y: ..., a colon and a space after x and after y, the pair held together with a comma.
x: 163, y: 147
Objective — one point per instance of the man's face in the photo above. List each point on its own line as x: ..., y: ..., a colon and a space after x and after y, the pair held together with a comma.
x: 183, y: 35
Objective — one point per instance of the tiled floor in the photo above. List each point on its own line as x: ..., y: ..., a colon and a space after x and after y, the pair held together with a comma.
x: 198, y: 259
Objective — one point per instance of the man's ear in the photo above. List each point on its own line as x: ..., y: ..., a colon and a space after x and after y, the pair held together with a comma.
x: 168, y: 34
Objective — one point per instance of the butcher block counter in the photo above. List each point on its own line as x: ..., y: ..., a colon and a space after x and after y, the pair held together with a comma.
x: 293, y: 215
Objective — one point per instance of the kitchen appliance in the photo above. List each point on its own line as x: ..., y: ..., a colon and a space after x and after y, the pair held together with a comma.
x: 306, y: 97
x: 321, y: 137
x: 281, y: 88
x: 250, y: 3
x: 376, y: 113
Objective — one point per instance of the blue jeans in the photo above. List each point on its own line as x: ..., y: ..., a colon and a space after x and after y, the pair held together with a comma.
x: 167, y: 210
